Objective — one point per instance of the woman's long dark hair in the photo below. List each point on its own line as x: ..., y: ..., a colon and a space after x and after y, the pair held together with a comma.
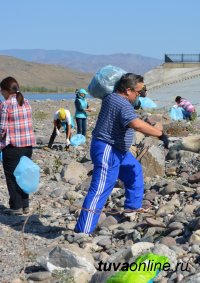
x: 11, y: 85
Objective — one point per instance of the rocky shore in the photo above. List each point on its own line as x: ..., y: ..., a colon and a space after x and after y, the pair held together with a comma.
x: 42, y: 246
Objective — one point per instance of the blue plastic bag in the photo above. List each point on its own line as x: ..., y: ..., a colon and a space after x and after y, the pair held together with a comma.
x: 77, y: 139
x: 104, y: 81
x: 1, y: 156
x: 176, y: 113
x: 146, y: 102
x: 27, y: 174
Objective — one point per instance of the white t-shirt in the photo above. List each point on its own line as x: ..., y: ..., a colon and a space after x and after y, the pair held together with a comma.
x: 67, y: 119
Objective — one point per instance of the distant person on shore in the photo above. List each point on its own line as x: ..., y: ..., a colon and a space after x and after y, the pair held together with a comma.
x: 82, y: 107
x: 16, y: 140
x: 62, y: 117
x: 111, y: 141
x: 188, y: 109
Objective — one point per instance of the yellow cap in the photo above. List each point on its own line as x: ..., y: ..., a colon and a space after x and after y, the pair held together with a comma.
x: 62, y: 114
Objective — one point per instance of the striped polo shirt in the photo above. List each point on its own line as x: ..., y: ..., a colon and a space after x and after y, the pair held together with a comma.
x: 112, y: 123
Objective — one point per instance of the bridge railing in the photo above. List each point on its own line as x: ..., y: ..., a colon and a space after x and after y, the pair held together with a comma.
x: 182, y: 58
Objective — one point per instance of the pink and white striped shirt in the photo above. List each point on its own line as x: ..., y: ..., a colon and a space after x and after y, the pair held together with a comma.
x: 186, y: 105
x: 16, y: 126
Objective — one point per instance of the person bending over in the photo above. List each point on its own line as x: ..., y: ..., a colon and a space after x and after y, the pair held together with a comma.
x: 62, y: 117
x: 188, y: 109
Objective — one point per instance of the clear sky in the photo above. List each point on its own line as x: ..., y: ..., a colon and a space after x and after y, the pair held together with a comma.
x: 146, y: 27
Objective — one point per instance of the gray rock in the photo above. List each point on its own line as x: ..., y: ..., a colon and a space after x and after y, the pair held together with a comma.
x: 155, y: 157
x: 195, y: 238
x: 78, y: 274
x: 39, y: 276
x: 141, y: 248
x: 169, y: 189
x: 195, y: 178
x: 155, y: 223
x: 66, y: 258
x: 195, y: 249
x: 109, y: 221
x: 165, y: 251
x: 186, y: 156
x: 168, y: 241
x: 42, y: 140
x: 175, y: 226
x: 192, y: 279
x: 75, y: 169
x: 165, y: 210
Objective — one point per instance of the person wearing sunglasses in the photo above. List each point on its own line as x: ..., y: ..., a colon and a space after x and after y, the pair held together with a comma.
x: 142, y: 93
x: 111, y: 141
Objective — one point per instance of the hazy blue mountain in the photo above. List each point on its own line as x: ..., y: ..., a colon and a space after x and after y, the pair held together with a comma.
x: 85, y: 62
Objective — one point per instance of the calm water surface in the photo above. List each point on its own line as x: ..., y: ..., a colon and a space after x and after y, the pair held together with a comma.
x: 51, y: 96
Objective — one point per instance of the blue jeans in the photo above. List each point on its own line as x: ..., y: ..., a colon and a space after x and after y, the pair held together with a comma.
x: 186, y: 114
x: 81, y: 126
x: 109, y: 165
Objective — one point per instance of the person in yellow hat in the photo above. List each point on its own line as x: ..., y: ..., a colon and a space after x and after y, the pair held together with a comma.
x: 62, y: 117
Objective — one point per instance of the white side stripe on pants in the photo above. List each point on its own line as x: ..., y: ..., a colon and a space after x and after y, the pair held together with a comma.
x: 100, y: 189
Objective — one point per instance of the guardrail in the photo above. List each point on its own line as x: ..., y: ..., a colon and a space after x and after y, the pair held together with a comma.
x: 182, y: 58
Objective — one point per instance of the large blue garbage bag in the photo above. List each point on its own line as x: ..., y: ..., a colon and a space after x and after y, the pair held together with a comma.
x: 1, y: 156
x: 27, y: 174
x: 104, y: 81
x: 176, y: 113
x: 77, y: 139
x: 147, y: 102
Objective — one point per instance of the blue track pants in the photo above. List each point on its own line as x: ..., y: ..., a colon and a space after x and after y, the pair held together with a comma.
x: 109, y: 165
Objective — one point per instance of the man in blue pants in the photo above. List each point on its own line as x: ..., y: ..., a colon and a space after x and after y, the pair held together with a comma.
x: 112, y: 138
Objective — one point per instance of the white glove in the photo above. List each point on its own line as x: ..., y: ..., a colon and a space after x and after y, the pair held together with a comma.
x: 57, y: 132
x: 68, y: 142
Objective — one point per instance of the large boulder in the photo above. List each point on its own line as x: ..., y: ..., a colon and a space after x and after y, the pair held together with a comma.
x: 191, y: 143
x: 153, y: 162
x: 60, y: 258
x: 74, y: 170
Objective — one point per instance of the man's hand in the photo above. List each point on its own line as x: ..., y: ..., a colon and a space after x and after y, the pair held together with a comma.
x: 68, y: 142
x: 165, y: 140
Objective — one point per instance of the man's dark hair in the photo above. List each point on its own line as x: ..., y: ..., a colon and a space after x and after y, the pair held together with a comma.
x: 128, y: 80
x: 178, y: 99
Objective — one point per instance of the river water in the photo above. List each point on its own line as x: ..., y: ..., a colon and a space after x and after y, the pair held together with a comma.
x: 50, y: 96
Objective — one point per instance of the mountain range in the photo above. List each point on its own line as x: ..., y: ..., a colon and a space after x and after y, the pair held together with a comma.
x: 82, y: 62
x: 51, y: 77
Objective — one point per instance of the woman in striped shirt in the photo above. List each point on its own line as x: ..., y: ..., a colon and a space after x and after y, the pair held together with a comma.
x: 16, y: 140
